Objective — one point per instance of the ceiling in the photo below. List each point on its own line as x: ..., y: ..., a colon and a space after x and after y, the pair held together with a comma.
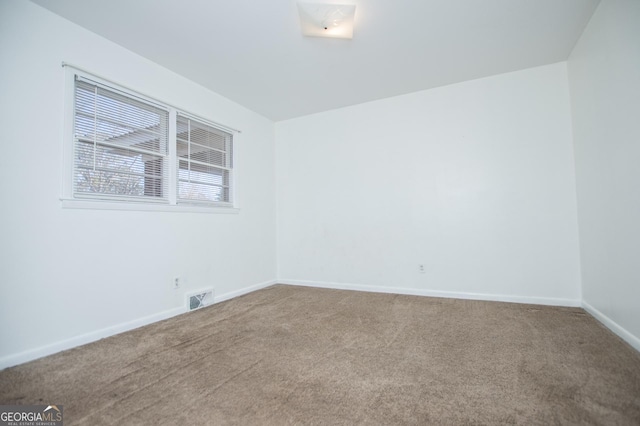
x: 252, y: 51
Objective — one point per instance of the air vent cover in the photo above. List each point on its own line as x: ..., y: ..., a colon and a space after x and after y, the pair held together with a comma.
x: 200, y: 299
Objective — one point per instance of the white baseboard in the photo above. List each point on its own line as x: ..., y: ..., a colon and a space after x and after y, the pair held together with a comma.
x: 242, y: 291
x: 83, y: 339
x: 436, y: 293
x: 625, y: 335
x: 31, y: 354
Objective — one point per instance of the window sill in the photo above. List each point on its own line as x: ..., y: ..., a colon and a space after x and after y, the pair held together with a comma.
x: 145, y: 207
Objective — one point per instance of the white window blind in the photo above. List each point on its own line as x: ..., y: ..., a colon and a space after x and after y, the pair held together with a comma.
x: 205, y: 162
x: 120, y: 145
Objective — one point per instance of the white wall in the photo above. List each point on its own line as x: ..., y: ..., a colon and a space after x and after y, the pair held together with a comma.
x: 604, y: 75
x: 68, y: 275
x: 473, y: 180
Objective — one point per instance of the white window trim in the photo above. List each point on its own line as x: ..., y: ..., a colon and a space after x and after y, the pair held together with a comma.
x: 68, y: 200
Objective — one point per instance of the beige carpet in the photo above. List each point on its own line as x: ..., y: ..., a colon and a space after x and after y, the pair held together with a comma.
x: 294, y: 355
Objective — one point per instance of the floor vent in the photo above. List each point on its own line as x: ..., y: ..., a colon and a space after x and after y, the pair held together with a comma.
x: 199, y: 300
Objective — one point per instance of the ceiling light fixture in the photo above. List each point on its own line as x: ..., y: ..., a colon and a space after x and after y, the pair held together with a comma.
x: 327, y: 20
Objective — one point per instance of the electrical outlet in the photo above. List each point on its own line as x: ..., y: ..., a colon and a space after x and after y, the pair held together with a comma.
x: 421, y: 268
x: 177, y: 283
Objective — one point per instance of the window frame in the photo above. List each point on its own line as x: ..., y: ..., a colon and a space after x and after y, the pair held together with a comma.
x: 70, y: 199
x: 229, y: 159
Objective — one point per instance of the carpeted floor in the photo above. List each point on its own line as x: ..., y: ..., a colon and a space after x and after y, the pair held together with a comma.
x: 295, y: 355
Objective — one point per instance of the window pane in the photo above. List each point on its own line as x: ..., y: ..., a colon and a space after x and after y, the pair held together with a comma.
x: 121, y: 144
x: 113, y: 171
x: 204, y: 155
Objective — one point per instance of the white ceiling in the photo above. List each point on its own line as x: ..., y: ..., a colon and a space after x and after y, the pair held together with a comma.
x: 252, y: 51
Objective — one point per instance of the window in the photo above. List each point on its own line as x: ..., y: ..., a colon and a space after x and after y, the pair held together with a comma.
x: 204, y: 161
x: 120, y: 145
x: 130, y: 148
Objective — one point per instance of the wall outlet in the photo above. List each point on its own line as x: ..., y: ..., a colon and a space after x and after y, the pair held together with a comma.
x: 421, y: 268
x: 177, y: 283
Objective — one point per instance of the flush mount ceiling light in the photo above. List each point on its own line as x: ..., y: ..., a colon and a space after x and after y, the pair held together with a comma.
x: 327, y: 20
